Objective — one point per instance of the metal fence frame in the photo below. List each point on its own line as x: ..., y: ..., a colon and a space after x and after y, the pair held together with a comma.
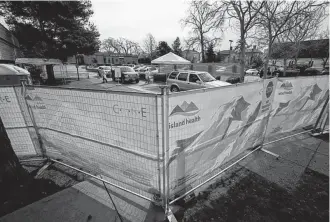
x: 162, y: 126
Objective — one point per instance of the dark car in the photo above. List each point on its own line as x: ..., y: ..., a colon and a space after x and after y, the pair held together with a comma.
x: 312, y: 71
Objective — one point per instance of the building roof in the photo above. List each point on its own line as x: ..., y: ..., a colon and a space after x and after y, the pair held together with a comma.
x: 114, y: 54
x: 170, y: 58
x: 254, y: 51
x: 225, y: 52
x: 188, y: 50
x: 37, y: 61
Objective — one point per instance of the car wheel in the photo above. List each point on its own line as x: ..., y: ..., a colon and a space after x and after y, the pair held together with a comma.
x: 175, y: 89
x: 137, y: 80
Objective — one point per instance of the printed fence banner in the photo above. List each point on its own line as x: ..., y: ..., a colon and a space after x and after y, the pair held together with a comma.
x: 209, y: 127
x: 16, y: 127
x: 297, y: 103
x: 108, y: 133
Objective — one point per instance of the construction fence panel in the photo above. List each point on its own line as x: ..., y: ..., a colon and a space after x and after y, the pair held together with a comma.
x: 297, y: 104
x: 113, y: 134
x: 210, y: 127
x: 18, y: 129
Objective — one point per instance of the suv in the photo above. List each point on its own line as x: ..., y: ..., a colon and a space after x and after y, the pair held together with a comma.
x: 128, y: 74
x: 189, y: 80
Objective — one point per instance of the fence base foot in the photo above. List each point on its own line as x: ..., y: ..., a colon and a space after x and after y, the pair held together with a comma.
x: 170, y: 216
x: 270, y: 153
x: 315, y: 133
x: 42, y: 169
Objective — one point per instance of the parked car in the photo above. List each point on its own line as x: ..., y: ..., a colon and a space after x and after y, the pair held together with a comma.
x: 104, y: 70
x: 325, y: 71
x: 313, y: 71
x: 252, y: 72
x: 128, y: 74
x: 142, y: 72
x: 189, y: 80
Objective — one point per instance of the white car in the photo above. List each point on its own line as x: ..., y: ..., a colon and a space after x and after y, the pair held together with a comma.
x: 220, y: 69
x: 190, y: 80
x: 101, y: 70
x: 252, y: 72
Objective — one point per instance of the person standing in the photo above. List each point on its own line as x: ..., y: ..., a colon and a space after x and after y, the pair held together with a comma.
x: 104, y: 77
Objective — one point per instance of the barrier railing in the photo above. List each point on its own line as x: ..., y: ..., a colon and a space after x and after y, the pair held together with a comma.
x: 160, y: 146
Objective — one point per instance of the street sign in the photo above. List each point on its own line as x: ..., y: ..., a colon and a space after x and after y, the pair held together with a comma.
x: 117, y: 73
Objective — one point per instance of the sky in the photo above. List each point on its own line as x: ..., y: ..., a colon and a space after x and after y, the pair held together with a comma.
x: 134, y: 19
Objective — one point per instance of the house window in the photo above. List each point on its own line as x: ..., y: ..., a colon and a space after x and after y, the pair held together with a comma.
x: 113, y: 61
x: 105, y: 60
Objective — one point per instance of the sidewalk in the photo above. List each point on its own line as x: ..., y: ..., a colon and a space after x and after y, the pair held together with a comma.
x: 88, y: 200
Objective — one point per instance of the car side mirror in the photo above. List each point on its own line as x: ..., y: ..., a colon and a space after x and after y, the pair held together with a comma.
x: 198, y: 82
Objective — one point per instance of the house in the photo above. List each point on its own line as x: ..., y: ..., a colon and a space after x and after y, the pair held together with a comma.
x: 228, y: 56
x: 252, y: 53
x: 191, y: 55
x: 233, y: 56
x: 9, y: 46
x: 311, y: 53
x: 105, y: 58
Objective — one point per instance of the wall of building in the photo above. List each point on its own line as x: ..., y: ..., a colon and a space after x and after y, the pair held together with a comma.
x: 9, y: 46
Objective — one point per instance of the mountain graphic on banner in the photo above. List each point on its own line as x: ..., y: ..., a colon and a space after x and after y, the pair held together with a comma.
x: 185, y: 109
x: 301, y: 101
x: 322, y: 100
x: 224, y: 117
x: 28, y: 97
x: 191, y: 107
x: 251, y: 119
x: 294, y: 113
x: 184, y: 105
x: 37, y: 98
x: 286, y: 84
x: 176, y: 110
x: 281, y: 106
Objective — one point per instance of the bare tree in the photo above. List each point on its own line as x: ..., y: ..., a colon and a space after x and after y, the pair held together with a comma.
x: 307, y: 29
x: 136, y: 49
x: 279, y: 17
x: 150, y: 45
x: 121, y: 46
x: 201, y: 19
x: 110, y: 45
x: 245, y: 13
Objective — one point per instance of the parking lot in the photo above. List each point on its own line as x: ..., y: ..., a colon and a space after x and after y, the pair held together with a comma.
x: 95, y: 82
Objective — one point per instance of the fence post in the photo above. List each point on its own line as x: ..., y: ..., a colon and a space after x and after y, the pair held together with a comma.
x: 33, y: 120
x: 320, y: 116
x: 165, y: 145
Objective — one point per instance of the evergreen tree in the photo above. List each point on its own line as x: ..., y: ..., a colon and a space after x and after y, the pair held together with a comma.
x: 52, y: 29
x: 177, y: 47
x: 210, y: 55
x: 163, y: 48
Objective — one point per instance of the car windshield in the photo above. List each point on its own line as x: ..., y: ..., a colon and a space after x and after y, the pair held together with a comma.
x: 126, y: 69
x: 206, y: 77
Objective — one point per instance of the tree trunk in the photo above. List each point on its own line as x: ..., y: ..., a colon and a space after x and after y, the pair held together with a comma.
x: 50, y: 75
x: 242, y: 60
x: 267, y: 60
x: 202, y: 48
x: 11, y: 171
x: 284, y: 71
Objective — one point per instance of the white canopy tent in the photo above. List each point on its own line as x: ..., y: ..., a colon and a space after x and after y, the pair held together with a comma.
x: 170, y: 59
